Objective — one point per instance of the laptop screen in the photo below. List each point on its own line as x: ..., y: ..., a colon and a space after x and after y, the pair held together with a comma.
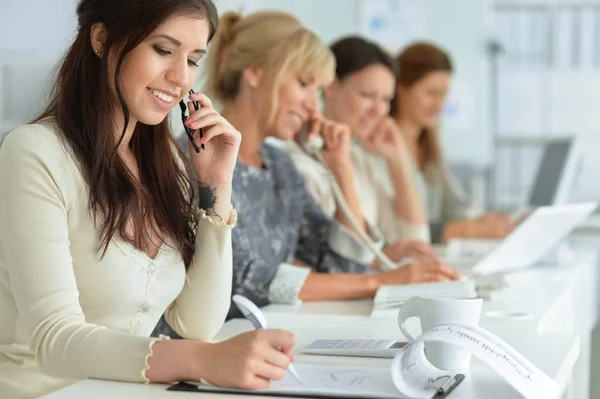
x: 550, y: 173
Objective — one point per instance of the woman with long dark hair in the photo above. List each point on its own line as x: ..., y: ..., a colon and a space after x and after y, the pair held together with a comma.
x: 100, y: 230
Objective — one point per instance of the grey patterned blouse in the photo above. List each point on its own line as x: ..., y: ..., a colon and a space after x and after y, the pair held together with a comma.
x: 278, y: 221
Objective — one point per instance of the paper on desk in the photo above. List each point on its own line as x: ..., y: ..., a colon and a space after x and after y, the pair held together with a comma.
x: 411, y: 371
x: 411, y: 374
x: 326, y: 381
x: 388, y: 296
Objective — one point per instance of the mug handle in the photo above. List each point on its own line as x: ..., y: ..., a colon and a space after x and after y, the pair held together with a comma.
x: 408, y: 310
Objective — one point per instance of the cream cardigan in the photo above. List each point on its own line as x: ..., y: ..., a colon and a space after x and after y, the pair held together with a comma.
x: 377, y: 202
x: 66, y: 314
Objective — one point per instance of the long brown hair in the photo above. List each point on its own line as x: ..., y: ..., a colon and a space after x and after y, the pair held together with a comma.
x: 82, y: 108
x: 414, y: 63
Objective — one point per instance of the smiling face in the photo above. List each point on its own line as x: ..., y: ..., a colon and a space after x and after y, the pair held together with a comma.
x: 423, y: 102
x: 161, y: 70
x: 298, y: 101
x: 361, y: 100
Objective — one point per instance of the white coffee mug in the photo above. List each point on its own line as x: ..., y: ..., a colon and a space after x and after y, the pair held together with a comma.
x: 432, y: 311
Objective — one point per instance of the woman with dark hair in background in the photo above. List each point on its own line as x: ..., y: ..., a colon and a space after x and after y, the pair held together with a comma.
x: 360, y: 97
x: 100, y: 232
x: 423, y: 83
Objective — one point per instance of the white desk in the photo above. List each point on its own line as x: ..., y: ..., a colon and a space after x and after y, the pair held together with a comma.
x: 561, y: 300
x: 481, y: 382
x: 557, y: 299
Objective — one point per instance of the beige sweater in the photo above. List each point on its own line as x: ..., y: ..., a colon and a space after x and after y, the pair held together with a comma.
x: 444, y: 198
x: 66, y: 314
x: 377, y: 202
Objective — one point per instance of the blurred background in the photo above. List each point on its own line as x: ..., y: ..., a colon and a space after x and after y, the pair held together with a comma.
x: 527, y: 71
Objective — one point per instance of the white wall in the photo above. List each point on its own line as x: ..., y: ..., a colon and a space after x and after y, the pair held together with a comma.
x: 550, y: 76
x: 44, y: 26
x: 33, y: 36
x: 329, y: 18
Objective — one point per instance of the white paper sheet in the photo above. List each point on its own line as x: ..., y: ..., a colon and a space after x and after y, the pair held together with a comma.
x: 411, y: 374
x: 332, y: 381
x: 411, y: 369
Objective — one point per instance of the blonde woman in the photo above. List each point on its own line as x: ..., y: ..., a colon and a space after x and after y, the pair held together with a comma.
x: 424, y: 79
x: 267, y: 70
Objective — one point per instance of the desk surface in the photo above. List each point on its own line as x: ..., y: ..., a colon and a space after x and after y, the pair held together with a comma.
x: 481, y: 382
x: 533, y: 300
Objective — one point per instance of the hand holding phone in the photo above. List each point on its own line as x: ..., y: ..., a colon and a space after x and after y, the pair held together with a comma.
x: 184, y: 117
x: 332, y: 138
x: 311, y: 142
x: 337, y: 138
x: 216, y: 163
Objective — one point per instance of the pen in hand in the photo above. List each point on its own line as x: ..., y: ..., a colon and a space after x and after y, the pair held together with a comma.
x: 255, y: 316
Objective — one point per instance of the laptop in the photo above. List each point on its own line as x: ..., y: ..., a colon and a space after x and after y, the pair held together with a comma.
x: 556, y: 176
x: 533, y: 239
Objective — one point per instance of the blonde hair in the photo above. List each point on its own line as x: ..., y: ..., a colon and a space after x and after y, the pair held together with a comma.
x: 274, y: 40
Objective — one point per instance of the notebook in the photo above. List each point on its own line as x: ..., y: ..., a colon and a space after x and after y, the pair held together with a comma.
x: 389, y: 297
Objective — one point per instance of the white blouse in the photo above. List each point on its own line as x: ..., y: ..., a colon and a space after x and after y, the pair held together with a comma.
x: 443, y: 196
x: 66, y: 313
x: 377, y: 202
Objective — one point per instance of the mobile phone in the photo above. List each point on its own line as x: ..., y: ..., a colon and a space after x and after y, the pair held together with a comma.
x: 184, y: 117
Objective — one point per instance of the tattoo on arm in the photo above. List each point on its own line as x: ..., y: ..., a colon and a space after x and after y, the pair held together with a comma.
x: 207, y: 199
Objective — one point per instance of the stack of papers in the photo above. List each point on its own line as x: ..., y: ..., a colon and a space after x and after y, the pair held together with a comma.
x: 390, y: 297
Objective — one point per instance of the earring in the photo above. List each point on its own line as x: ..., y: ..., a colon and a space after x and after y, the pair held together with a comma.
x: 98, y: 53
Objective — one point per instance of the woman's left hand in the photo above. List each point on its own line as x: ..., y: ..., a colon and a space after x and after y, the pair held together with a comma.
x: 213, y: 165
x: 386, y: 140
